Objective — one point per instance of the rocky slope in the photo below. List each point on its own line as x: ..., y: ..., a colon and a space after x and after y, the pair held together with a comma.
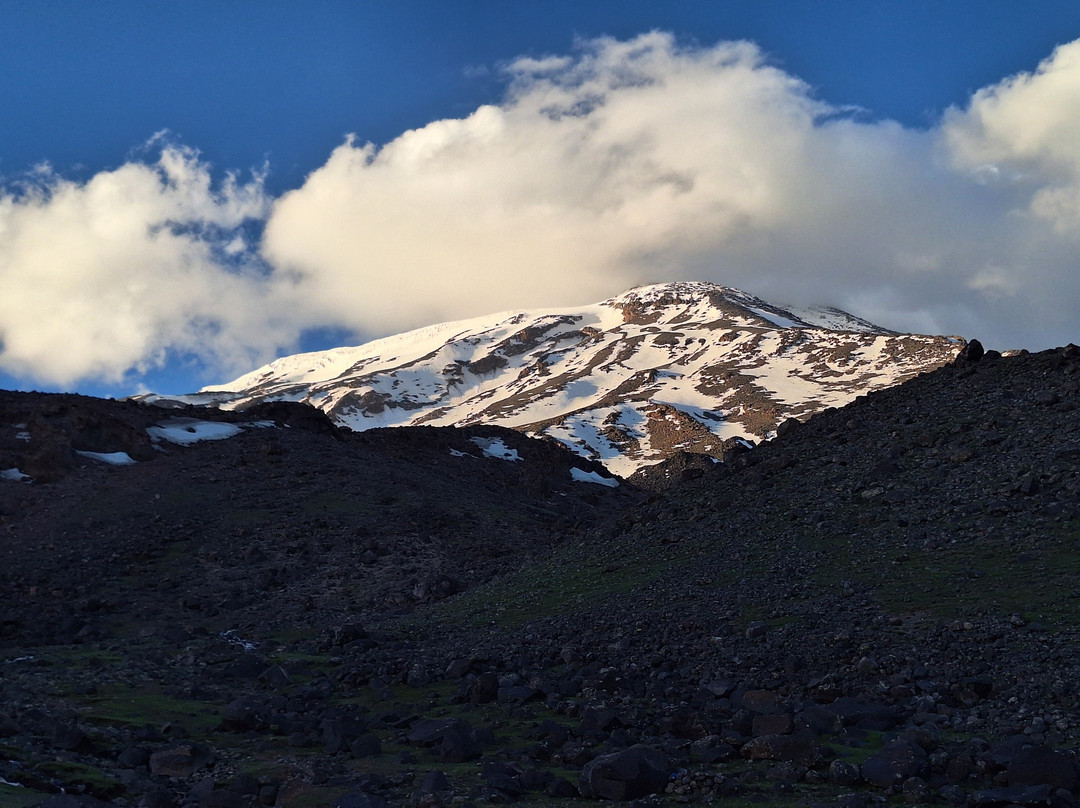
x: 672, y: 367
x: 877, y: 607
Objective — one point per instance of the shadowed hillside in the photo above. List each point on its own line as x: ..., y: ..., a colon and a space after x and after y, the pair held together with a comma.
x: 881, y: 605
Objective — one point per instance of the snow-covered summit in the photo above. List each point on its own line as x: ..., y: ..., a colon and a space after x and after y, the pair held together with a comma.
x: 627, y: 381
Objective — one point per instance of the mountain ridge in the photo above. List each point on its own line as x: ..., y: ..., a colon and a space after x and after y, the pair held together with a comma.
x: 628, y: 382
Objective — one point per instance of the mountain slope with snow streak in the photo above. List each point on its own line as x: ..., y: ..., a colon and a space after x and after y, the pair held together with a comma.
x: 628, y: 381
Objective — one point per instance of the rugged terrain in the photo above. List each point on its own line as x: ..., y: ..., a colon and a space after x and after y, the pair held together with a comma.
x: 629, y: 381
x: 880, y: 605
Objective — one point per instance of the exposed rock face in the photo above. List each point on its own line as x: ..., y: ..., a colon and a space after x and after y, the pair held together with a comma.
x: 626, y: 774
x: 629, y: 381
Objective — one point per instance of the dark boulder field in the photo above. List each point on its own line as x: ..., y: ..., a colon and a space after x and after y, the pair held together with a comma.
x: 880, y: 606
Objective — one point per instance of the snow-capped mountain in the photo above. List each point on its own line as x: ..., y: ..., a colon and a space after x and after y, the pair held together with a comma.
x: 628, y: 381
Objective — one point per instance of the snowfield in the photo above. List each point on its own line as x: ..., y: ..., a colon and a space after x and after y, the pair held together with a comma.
x: 627, y: 382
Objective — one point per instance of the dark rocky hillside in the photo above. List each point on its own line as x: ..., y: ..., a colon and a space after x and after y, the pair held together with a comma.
x: 879, y: 607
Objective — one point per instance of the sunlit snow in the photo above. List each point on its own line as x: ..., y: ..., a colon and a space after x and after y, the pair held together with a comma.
x: 592, y: 477
x: 494, y: 447
x: 112, y: 458
x: 588, y: 375
x: 185, y: 431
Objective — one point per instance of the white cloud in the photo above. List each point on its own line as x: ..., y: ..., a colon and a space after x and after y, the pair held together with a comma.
x: 642, y: 160
x: 621, y: 163
x: 102, y: 278
x: 1023, y: 131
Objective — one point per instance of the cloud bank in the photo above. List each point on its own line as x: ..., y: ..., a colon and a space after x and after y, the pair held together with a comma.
x: 138, y: 265
x: 624, y: 162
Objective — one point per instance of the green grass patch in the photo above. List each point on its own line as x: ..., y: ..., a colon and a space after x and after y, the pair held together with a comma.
x: 18, y: 797
x: 73, y: 775
x: 858, y: 752
x: 993, y: 576
x: 572, y: 579
x: 138, y: 706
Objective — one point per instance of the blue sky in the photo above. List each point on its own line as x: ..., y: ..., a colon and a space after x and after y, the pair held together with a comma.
x: 872, y: 155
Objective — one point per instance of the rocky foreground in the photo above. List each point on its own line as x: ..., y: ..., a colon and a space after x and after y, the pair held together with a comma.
x: 878, y: 607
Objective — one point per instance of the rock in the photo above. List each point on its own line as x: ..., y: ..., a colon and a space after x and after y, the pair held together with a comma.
x: 181, y: 760
x: 711, y: 749
x: 787, y: 426
x: 844, y: 773
x: 516, y: 694
x: 801, y: 747
x: 536, y: 779
x: 819, y: 719
x: 626, y: 774
x: 243, y: 715
x: 778, y: 724
x: 419, y: 676
x: 158, y: 797
x: 359, y: 799
x: 505, y: 778
x: 458, y: 746
x: 1040, y: 765
x: 485, y: 689
x: 72, y: 801
x: 338, y: 733
x: 70, y: 737
x: 851, y: 801
x: 275, y: 676
x: 244, y: 783
x: 457, y: 669
x: 761, y: 701
x: 561, y: 789
x: 972, y: 352
x: 434, y: 781
x: 756, y: 629
x: 365, y: 746
x: 1013, y: 795
x: 916, y: 790
x: 131, y: 757
x: 428, y: 732
x: 347, y: 633
x: 954, y: 795
x: 864, y: 715
x: 220, y: 798
x: 601, y: 719
x: 895, y: 763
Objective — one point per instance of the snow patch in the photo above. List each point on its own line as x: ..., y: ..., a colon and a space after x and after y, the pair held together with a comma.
x: 592, y: 477
x: 112, y: 458
x: 776, y: 319
x: 232, y: 638
x: 494, y: 447
x: 186, y: 431
x: 13, y: 474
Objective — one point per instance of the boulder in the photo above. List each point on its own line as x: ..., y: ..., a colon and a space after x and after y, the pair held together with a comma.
x: 863, y: 714
x: 801, y: 747
x: 181, y: 760
x: 626, y: 774
x: 894, y: 764
x: 1040, y: 765
x: 972, y: 352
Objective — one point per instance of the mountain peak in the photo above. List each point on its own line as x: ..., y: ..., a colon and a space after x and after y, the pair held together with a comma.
x: 661, y: 369
x: 671, y: 293
x: 702, y: 300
